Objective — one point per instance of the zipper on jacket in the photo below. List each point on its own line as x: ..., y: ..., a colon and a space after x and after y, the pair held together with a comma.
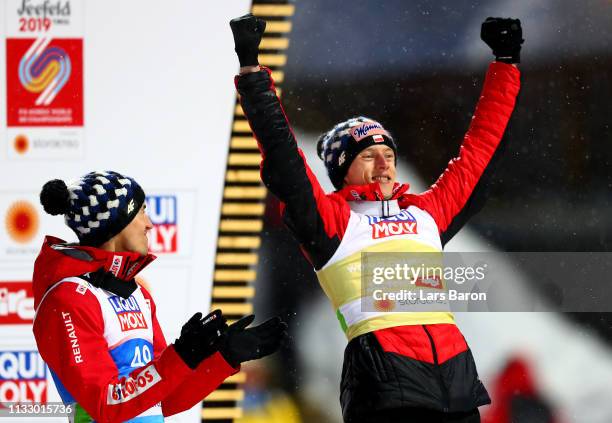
x: 445, y: 394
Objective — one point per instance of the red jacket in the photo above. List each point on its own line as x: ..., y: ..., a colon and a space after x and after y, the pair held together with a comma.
x: 108, y: 354
x: 424, y: 365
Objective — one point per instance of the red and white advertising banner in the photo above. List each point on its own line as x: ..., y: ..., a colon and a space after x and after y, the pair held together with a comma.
x: 44, y: 79
x: 155, y: 89
x: 16, y: 303
x: 16, y: 308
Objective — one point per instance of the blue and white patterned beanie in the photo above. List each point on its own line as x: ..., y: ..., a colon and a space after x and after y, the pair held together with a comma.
x: 96, y: 207
x: 339, y: 146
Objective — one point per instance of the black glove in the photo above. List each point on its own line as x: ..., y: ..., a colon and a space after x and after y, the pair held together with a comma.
x: 241, y: 344
x: 247, y: 31
x: 200, y: 337
x: 505, y: 37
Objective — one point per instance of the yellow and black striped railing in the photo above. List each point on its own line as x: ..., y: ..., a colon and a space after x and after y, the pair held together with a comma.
x: 243, y: 210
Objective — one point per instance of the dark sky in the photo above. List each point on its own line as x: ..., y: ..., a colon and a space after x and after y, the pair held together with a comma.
x: 342, y: 37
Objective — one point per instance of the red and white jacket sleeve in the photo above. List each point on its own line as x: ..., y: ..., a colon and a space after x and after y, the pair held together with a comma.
x: 316, y: 219
x: 69, y: 332
x: 447, y: 198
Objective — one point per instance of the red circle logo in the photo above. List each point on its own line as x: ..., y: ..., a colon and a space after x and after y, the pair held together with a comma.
x: 21, y: 144
x: 21, y: 221
x: 384, y: 305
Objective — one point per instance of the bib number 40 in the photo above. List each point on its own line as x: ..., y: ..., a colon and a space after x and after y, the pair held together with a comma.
x: 142, y: 355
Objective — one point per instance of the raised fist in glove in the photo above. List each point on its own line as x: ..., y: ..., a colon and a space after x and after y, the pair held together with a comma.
x: 505, y: 37
x: 200, y: 337
x: 247, y: 31
x: 242, y: 344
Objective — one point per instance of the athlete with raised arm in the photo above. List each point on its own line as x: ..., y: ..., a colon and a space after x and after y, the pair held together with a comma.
x: 398, y: 366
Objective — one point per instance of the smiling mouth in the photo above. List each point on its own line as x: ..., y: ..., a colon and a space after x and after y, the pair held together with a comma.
x: 382, y: 179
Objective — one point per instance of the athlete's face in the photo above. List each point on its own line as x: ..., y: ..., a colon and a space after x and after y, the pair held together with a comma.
x: 374, y: 164
x: 133, y: 237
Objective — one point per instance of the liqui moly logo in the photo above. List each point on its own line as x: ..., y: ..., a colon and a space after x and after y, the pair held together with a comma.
x: 16, y: 303
x: 23, y: 377
x: 128, y: 313
x: 162, y: 212
x: 402, y: 223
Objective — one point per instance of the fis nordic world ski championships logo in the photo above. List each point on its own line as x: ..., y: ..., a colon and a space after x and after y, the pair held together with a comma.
x: 44, y: 70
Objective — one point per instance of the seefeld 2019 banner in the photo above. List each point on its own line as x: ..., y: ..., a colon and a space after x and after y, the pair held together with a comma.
x: 139, y: 87
x: 44, y: 78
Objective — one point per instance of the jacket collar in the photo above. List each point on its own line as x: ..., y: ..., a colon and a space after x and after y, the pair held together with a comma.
x: 384, y: 208
x: 368, y: 199
x: 58, y: 260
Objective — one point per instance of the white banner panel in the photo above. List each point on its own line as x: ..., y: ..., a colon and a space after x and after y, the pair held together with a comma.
x: 141, y: 87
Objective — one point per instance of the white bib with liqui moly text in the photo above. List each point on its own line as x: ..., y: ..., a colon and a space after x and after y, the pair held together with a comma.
x: 365, y: 230
x: 128, y: 331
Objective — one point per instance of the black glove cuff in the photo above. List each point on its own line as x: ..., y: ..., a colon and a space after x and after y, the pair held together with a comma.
x: 508, y: 57
x: 510, y: 60
x: 188, y: 353
x: 247, y: 57
x: 200, y: 338
x: 194, y: 353
x: 229, y: 357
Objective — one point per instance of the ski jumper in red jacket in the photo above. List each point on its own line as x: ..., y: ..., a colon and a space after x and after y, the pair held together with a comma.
x: 108, y: 355
x: 96, y: 328
x: 392, y: 360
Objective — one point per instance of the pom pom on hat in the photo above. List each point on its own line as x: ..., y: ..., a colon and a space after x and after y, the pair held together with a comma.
x: 55, y: 197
